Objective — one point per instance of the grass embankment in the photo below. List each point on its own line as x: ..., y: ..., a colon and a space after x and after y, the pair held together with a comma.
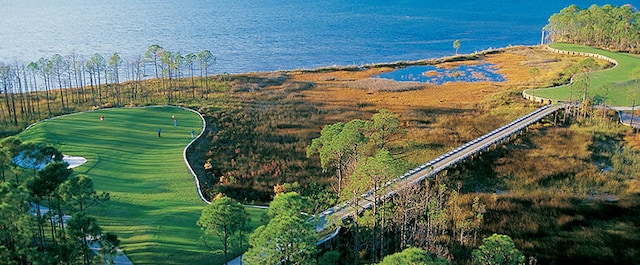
x: 154, y: 205
x: 619, y: 81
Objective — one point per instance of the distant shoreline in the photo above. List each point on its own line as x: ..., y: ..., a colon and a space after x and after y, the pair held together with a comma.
x: 396, y: 64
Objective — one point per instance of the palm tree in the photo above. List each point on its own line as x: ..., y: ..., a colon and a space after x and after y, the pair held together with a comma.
x: 136, y: 75
x: 534, y: 72
x: 634, y: 95
x: 77, y: 69
x: 5, y: 80
x: 33, y: 69
x: 98, y: 64
x: 167, y: 59
x: 58, y: 66
x: 43, y: 68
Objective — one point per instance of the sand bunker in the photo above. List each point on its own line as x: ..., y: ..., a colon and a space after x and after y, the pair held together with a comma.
x: 74, y: 161
x: 25, y: 161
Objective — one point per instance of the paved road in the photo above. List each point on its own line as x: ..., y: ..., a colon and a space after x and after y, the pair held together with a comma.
x: 627, y: 119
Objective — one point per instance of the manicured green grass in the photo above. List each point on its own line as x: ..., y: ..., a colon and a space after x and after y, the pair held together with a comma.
x: 620, y: 79
x: 154, y: 205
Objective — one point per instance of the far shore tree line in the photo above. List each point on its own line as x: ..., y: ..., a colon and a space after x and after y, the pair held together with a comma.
x: 608, y: 27
x: 61, y: 84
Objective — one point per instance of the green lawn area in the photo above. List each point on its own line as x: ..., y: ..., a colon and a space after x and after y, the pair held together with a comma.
x: 154, y: 205
x: 620, y: 79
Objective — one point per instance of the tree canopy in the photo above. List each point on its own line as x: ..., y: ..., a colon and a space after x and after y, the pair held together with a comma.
x: 412, y: 256
x: 607, y: 26
x: 24, y: 221
x: 337, y: 146
x: 456, y: 45
x: 223, y: 217
x: 288, y: 238
x: 498, y: 249
x: 341, y: 144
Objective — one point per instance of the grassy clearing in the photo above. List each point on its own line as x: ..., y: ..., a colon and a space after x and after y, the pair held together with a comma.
x: 618, y: 80
x: 154, y: 205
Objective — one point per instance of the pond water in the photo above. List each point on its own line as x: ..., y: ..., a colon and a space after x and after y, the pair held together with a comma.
x: 482, y: 72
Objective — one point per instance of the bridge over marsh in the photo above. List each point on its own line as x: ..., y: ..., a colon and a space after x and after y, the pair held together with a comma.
x: 330, y: 218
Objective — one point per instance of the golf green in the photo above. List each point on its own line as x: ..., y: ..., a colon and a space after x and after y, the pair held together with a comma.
x: 154, y: 205
x: 611, y: 86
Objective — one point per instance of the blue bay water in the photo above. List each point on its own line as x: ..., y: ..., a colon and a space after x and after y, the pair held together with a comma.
x: 266, y: 35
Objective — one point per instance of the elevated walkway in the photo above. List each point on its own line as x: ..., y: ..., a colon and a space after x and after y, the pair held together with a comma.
x: 329, y: 217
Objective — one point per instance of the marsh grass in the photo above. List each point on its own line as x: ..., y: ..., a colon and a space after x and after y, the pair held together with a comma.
x: 548, y: 190
x: 384, y: 85
x: 259, y: 135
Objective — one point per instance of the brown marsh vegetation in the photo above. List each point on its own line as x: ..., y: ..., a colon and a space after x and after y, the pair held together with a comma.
x: 261, y: 126
x: 548, y: 189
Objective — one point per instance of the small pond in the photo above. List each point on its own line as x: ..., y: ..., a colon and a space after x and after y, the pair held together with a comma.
x: 482, y: 72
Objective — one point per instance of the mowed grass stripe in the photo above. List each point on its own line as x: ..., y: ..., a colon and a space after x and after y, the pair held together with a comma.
x: 154, y: 205
x: 619, y: 80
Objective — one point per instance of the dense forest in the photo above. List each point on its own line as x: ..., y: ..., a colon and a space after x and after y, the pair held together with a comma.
x: 607, y: 27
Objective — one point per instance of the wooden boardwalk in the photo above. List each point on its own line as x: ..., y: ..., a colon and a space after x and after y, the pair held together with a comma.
x: 483, y: 143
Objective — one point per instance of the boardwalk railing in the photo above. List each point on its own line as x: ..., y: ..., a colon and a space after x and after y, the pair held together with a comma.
x: 432, y: 168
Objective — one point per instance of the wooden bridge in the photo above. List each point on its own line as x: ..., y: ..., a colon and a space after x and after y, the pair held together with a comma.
x: 330, y: 217
x: 343, y: 211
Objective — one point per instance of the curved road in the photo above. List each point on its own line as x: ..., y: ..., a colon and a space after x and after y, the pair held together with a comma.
x: 627, y: 118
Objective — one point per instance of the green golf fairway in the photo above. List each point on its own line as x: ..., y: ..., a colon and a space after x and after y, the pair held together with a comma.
x: 154, y: 205
x: 620, y: 79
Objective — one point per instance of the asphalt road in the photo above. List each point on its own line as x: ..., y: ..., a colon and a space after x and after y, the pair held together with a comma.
x: 627, y: 119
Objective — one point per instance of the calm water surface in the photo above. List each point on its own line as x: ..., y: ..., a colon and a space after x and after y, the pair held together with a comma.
x: 482, y: 72
x: 265, y: 35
